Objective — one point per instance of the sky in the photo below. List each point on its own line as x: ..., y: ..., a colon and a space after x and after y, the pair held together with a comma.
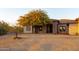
x: 11, y: 15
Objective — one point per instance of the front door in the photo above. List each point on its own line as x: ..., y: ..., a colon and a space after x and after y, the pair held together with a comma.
x: 38, y: 29
x: 49, y: 28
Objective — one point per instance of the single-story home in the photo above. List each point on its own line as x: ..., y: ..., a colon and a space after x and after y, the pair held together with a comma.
x: 63, y: 26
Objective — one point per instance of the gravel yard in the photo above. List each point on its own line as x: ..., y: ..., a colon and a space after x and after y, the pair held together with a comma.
x: 39, y: 42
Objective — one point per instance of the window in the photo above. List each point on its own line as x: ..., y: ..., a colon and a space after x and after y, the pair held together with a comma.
x: 28, y: 28
x: 62, y: 28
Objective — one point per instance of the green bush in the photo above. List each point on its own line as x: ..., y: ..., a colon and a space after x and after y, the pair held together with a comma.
x: 4, y: 27
x: 2, y: 31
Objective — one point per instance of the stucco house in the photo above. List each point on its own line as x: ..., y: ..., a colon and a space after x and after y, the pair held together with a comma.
x: 63, y: 26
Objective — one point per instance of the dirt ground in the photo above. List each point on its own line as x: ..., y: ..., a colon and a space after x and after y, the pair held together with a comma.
x: 39, y: 42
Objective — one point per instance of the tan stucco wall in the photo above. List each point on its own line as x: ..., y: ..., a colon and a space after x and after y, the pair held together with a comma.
x: 73, y: 29
x: 78, y: 27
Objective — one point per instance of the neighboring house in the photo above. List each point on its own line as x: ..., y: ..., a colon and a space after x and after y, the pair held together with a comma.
x: 55, y: 27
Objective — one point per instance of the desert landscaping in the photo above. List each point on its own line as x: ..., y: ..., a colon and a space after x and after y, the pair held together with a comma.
x: 39, y: 42
x: 37, y: 31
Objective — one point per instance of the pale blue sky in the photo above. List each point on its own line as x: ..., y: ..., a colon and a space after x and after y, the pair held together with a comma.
x: 10, y: 15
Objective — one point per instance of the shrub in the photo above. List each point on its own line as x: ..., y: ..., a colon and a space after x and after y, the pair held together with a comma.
x: 2, y: 31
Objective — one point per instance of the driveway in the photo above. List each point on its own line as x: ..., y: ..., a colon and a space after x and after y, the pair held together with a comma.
x: 39, y: 42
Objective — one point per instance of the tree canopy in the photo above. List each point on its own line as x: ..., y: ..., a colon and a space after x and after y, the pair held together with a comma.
x: 34, y: 17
